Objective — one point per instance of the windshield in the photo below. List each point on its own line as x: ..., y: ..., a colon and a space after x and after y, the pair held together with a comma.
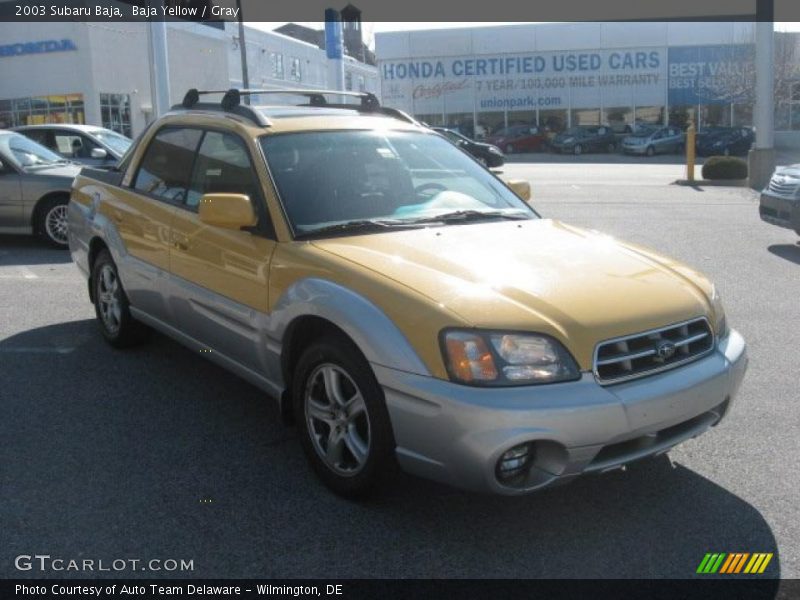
x: 27, y: 153
x: 396, y: 178
x: 116, y: 141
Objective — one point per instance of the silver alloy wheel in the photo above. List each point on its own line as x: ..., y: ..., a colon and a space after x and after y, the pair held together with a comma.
x: 338, y: 421
x: 55, y: 224
x: 108, y: 299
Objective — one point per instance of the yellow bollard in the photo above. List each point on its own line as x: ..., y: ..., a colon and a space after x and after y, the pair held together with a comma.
x: 690, y: 149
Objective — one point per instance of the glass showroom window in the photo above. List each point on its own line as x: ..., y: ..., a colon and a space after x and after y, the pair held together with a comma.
x: 115, y: 112
x: 742, y: 115
x: 619, y: 118
x: 461, y: 122
x: 42, y: 109
x: 651, y: 115
x: 362, y: 84
x: 522, y: 117
x: 585, y: 116
x: 489, y: 123
x: 276, y: 62
x: 715, y: 115
x: 679, y: 116
x: 794, y: 111
x: 554, y: 121
x: 294, y: 70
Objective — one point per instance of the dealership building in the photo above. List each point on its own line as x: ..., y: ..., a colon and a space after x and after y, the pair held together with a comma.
x: 558, y: 75
x: 99, y: 73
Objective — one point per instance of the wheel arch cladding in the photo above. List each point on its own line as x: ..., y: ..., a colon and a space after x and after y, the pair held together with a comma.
x: 317, y: 305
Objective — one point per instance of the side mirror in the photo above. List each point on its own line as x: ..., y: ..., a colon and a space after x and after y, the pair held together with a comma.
x: 521, y: 188
x: 99, y: 153
x: 229, y: 211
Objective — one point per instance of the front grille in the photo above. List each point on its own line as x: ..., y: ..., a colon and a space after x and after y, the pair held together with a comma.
x: 652, y: 351
x: 784, y: 187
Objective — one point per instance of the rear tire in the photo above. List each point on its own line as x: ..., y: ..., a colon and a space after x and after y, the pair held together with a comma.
x: 341, y: 414
x: 111, y: 305
x: 51, y: 221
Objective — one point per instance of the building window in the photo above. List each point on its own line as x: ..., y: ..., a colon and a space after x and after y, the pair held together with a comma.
x: 362, y: 85
x: 794, y: 107
x: 294, y: 71
x: 115, y: 113
x: 68, y: 108
x: 348, y: 81
x: 276, y: 61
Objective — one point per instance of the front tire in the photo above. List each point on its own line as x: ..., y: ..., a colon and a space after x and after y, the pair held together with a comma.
x: 111, y: 305
x: 342, y: 417
x: 51, y: 221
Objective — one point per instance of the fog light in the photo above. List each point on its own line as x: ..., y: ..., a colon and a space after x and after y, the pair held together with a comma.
x: 514, y: 462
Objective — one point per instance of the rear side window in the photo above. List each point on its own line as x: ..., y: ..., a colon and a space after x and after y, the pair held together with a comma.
x: 167, y: 164
x: 222, y: 166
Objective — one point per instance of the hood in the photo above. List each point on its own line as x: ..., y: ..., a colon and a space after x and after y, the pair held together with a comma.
x: 66, y: 170
x: 539, y: 275
x: 790, y: 171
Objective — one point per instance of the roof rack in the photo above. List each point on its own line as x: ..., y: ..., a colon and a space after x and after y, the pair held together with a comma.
x: 231, y: 102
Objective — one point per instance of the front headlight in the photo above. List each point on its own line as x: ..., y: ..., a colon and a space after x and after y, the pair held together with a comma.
x: 487, y: 358
x: 720, y: 320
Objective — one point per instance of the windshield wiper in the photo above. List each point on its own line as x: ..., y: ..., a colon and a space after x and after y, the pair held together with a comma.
x: 358, y: 226
x: 464, y: 216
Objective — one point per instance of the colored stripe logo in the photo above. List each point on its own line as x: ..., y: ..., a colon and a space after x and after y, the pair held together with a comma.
x: 734, y: 563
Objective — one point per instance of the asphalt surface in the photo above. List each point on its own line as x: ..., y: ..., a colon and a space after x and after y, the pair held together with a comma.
x: 157, y: 453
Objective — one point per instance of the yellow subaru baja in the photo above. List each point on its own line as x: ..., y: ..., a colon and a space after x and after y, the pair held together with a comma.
x: 403, y: 304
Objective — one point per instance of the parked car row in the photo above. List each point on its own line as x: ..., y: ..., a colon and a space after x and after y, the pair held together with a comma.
x: 486, y: 154
x: 37, y: 166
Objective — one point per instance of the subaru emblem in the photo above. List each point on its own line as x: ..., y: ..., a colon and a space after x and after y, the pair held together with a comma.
x: 664, y: 350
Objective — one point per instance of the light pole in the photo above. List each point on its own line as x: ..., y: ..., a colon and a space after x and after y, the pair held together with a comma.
x: 761, y: 160
x: 243, y: 52
x: 159, y: 62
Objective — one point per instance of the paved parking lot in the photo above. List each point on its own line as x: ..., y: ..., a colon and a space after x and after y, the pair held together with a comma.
x: 156, y: 453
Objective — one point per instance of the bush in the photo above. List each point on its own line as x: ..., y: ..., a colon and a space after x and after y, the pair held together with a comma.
x: 725, y: 167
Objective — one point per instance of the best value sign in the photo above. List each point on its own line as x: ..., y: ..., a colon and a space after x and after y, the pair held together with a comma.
x: 711, y: 74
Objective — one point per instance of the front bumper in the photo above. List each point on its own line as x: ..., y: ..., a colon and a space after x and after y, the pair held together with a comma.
x: 456, y: 434
x: 780, y: 211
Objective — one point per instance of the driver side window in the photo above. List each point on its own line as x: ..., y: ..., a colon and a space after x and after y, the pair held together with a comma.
x: 222, y: 166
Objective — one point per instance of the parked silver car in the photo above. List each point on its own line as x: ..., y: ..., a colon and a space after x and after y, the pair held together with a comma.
x: 662, y: 140
x: 780, y: 200
x: 85, y: 144
x: 34, y: 188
